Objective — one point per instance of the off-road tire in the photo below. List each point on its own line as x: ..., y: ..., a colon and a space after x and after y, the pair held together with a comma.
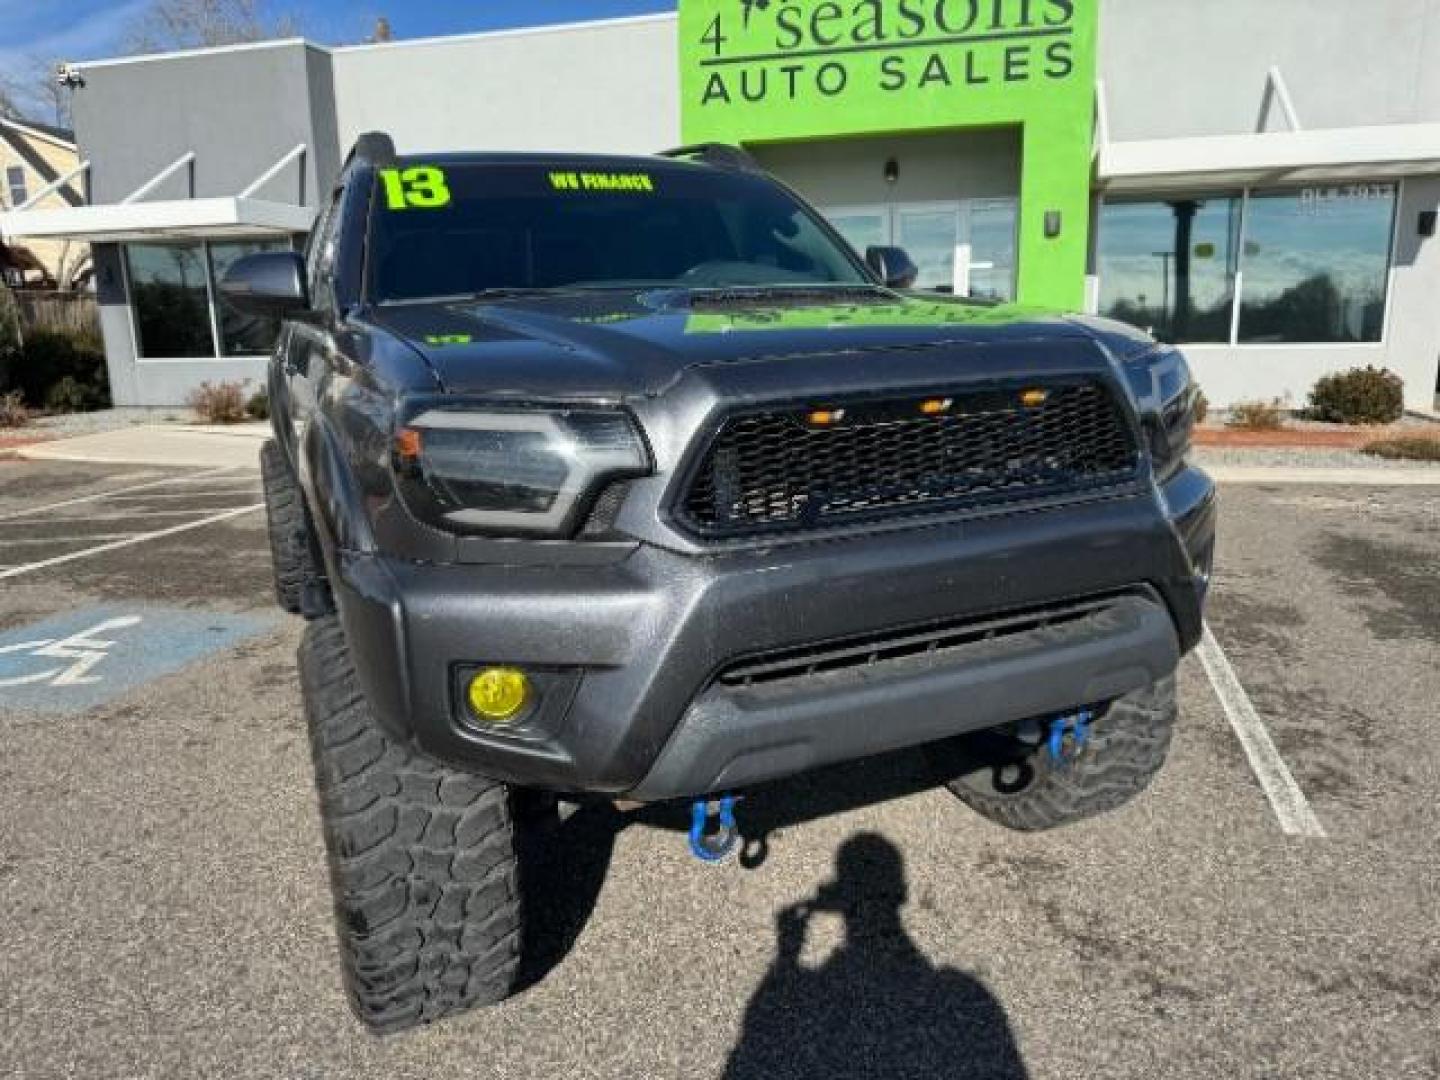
x: 292, y: 544
x: 1016, y: 783
x: 422, y: 858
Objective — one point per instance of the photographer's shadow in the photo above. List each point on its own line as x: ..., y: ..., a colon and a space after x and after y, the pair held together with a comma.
x: 877, y: 1007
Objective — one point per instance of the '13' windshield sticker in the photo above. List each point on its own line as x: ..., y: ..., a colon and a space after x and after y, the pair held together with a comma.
x: 420, y: 187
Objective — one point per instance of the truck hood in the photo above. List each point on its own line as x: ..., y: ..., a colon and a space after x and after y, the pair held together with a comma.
x: 601, y: 345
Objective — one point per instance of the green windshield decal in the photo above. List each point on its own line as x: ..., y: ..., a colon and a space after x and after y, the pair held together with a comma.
x: 420, y: 187
x: 448, y: 339
x: 861, y: 316
x: 635, y: 183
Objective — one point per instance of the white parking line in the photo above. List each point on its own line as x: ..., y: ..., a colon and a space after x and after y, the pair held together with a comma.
x: 33, y: 540
x: 207, y: 494
x: 30, y: 523
x: 1293, y: 810
x: 30, y: 568
x: 117, y: 491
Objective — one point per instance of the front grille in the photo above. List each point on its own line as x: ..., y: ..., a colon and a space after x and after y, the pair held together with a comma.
x: 779, y: 471
x: 940, y: 641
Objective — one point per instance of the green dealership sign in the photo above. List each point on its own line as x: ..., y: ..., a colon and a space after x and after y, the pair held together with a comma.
x: 758, y: 71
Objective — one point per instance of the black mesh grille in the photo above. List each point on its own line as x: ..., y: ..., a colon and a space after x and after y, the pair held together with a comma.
x: 780, y: 471
x: 1048, y: 625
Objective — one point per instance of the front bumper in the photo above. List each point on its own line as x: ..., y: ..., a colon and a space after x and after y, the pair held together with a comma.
x: 628, y: 654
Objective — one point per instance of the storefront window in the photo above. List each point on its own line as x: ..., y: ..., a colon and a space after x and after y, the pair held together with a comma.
x: 172, y: 287
x: 1313, y: 269
x: 1169, y: 267
x: 1317, y: 263
x: 170, y: 294
x: 241, y: 334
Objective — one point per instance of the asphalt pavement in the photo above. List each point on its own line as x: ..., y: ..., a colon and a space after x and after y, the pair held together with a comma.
x: 166, y: 911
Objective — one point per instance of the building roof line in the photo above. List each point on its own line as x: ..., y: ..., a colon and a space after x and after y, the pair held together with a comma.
x: 179, y: 54
x: 331, y: 50
x: 38, y: 164
x: 518, y: 31
x: 41, y: 131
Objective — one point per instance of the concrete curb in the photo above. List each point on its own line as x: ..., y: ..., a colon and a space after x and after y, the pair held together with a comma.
x: 1267, y: 474
x: 153, y: 445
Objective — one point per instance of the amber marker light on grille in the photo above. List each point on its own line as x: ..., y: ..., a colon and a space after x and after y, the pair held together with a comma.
x: 1033, y: 399
x: 498, y: 695
x: 826, y: 417
x: 936, y: 406
x: 407, y: 444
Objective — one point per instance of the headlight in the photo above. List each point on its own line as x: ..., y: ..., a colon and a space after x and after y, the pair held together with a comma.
x: 469, y: 469
x: 1167, y: 396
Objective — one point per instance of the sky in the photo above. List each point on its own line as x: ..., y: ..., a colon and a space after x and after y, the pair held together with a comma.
x: 91, y: 29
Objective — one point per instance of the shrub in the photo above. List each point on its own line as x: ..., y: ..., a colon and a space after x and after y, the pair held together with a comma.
x: 1257, y: 415
x: 9, y: 339
x: 258, y: 407
x: 1405, y: 448
x: 13, y: 411
x: 1367, y: 395
x: 70, y: 395
x: 51, y: 356
x: 219, y: 403
x: 1202, y: 406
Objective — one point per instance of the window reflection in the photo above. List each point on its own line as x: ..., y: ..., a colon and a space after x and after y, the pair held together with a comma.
x: 171, y: 300
x: 1169, y: 267
x: 171, y: 286
x: 241, y: 334
x: 1317, y: 264
x: 1314, y: 266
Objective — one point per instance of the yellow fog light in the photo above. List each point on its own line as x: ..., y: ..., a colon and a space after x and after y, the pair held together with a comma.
x: 500, y: 694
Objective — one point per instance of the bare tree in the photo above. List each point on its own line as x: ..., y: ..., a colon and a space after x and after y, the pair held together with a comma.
x: 49, y: 92
x: 189, y: 24
x: 9, y: 93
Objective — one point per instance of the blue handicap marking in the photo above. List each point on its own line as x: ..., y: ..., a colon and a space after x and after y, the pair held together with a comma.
x: 76, y: 661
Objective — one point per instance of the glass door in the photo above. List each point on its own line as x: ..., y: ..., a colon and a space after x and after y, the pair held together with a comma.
x: 930, y: 233
x: 863, y: 226
x: 989, y: 228
x: 965, y: 247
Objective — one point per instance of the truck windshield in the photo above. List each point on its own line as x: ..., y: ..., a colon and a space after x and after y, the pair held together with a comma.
x: 456, y: 230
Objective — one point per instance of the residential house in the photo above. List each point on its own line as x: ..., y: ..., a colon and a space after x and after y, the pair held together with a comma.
x: 34, y: 156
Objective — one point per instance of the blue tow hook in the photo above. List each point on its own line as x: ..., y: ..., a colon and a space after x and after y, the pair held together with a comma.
x: 718, y: 846
x: 1077, y: 727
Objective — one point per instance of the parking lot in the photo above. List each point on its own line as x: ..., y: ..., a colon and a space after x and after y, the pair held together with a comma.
x: 166, y: 910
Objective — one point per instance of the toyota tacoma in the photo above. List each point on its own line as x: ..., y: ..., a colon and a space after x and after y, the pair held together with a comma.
x: 626, y: 478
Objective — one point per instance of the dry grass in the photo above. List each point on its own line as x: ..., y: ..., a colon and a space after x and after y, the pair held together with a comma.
x: 1257, y: 415
x: 219, y: 403
x: 13, y: 411
x: 1405, y: 448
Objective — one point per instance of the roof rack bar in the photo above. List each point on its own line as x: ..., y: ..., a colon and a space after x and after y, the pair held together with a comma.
x: 185, y: 160
x: 54, y: 186
x: 376, y: 147
x: 274, y: 171
x: 721, y: 155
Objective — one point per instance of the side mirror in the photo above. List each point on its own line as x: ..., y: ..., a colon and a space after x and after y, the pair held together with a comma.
x: 270, y: 285
x: 892, y: 266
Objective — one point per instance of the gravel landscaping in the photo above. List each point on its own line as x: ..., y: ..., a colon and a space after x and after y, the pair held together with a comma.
x: 1292, y: 458
x: 66, y: 424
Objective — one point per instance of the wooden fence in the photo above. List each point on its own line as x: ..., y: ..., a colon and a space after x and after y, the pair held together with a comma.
x: 70, y: 313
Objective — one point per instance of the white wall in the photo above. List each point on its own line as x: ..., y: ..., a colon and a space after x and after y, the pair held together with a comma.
x: 1175, y: 68
x: 607, y: 87
x: 933, y: 168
